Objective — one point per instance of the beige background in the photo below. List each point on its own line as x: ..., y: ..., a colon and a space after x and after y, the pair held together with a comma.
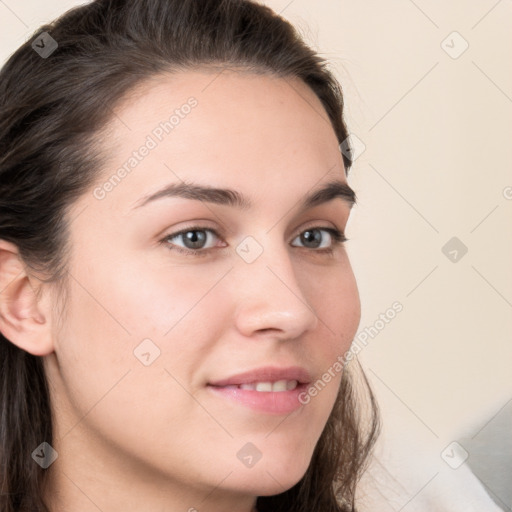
x: 437, y: 131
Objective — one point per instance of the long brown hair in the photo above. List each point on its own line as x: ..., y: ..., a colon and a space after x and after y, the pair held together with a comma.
x: 52, y: 108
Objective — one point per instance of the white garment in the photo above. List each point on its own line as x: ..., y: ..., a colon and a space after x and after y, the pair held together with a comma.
x: 408, y: 474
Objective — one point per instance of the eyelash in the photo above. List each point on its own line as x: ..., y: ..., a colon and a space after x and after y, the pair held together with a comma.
x: 338, y: 238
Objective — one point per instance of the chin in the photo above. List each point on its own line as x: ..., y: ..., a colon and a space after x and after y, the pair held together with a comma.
x: 269, y: 479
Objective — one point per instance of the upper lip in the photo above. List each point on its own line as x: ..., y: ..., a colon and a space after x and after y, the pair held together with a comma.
x: 266, y: 374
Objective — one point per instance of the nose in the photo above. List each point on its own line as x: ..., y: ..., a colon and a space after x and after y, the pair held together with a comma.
x: 270, y: 299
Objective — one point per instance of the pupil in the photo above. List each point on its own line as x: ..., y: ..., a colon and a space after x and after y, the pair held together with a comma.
x: 312, y: 237
x: 194, y: 239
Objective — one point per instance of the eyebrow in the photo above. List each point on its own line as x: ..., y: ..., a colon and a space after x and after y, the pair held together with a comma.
x: 233, y: 198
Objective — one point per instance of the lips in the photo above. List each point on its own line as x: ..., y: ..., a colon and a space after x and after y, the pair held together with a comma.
x: 265, y: 390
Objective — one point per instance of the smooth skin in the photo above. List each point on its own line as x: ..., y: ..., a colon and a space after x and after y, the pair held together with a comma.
x: 132, y: 437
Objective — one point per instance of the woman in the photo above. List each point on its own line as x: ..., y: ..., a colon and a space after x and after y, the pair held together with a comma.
x: 176, y: 298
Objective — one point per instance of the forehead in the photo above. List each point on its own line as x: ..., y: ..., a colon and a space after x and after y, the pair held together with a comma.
x: 216, y: 86
x: 255, y: 132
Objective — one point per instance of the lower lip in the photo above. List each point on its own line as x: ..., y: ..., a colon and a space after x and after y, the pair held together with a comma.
x: 273, y: 402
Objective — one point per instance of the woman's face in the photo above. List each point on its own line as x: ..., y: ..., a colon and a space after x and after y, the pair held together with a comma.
x: 153, y: 318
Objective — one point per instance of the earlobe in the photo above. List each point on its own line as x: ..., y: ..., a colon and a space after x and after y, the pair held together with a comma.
x: 24, y: 320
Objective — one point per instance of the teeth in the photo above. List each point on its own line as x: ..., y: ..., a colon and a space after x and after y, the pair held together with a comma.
x: 280, y: 385
x: 264, y: 386
x: 291, y: 385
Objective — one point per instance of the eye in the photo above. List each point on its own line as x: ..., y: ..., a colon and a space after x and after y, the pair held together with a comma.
x: 193, y: 239
x: 312, y: 238
x: 199, y: 241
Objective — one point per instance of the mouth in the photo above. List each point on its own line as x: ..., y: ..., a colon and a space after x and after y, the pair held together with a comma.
x: 265, y: 387
x: 267, y: 390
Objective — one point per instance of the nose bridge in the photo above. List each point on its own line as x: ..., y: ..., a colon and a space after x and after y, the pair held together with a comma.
x: 268, y: 290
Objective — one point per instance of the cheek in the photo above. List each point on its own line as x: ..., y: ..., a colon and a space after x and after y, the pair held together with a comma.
x: 121, y: 316
x: 159, y: 298
x: 107, y: 390
x: 334, y: 296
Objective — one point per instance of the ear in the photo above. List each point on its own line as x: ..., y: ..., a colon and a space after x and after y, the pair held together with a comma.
x: 24, y: 318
